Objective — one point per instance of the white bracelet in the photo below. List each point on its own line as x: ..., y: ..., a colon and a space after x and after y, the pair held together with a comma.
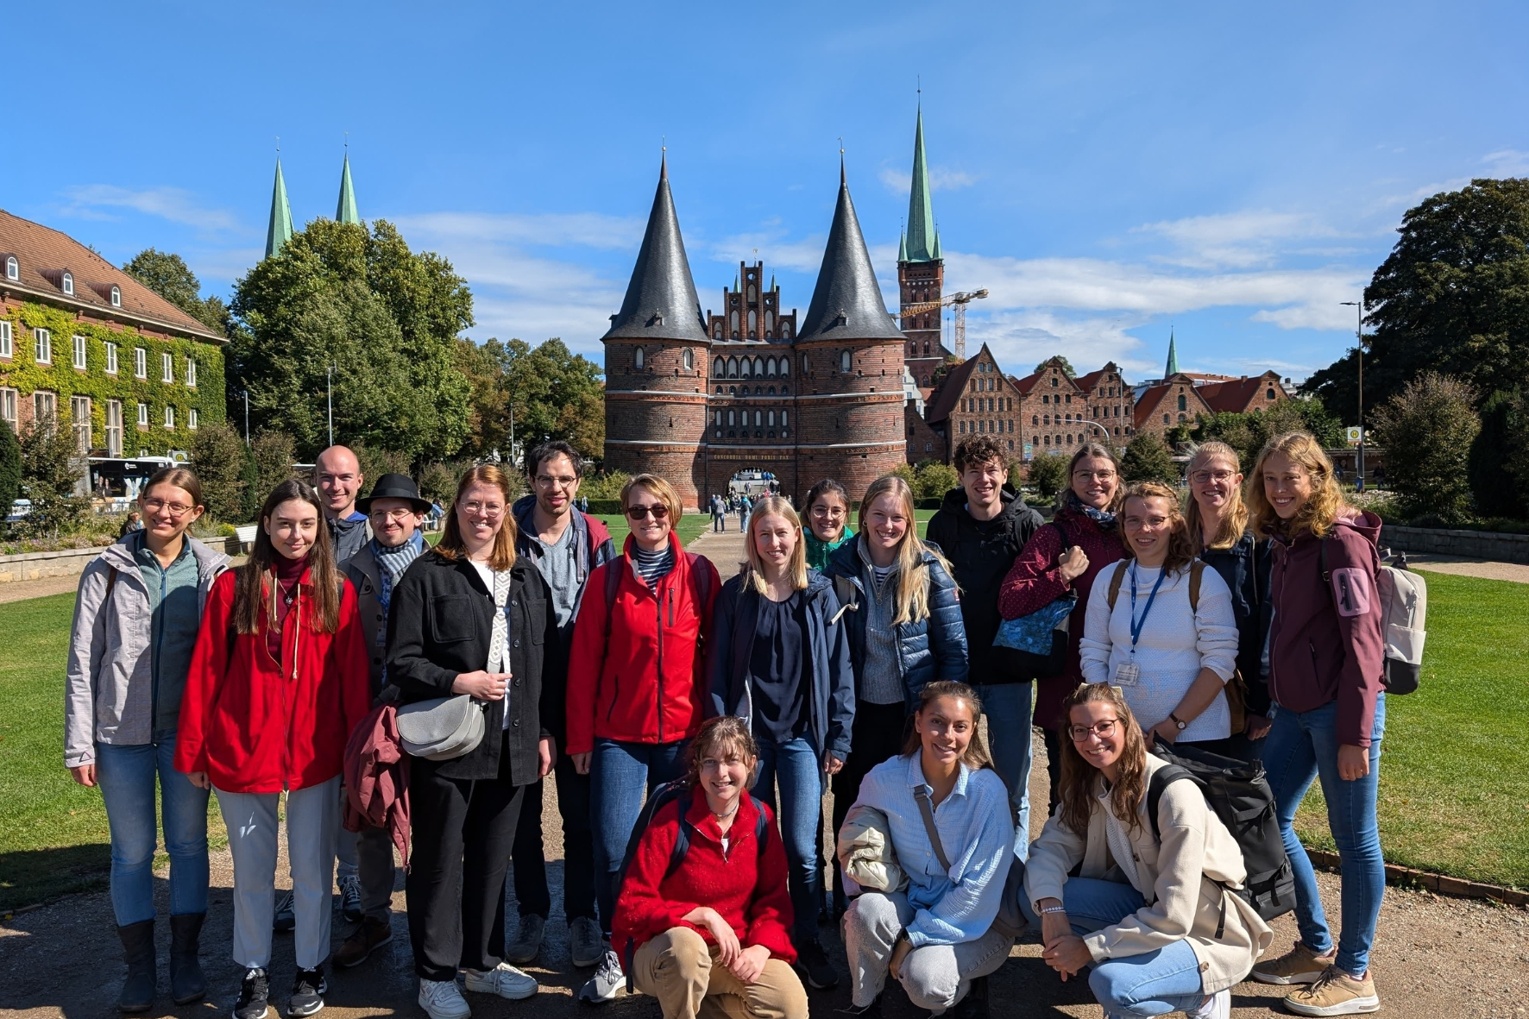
x: 1053, y: 909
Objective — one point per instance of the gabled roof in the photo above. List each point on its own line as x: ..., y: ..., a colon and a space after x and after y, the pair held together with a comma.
x: 43, y: 254
x: 1235, y: 396
x: 660, y: 300
x: 1025, y: 384
x: 949, y: 391
x: 1091, y: 380
x: 1152, y: 397
x: 847, y: 299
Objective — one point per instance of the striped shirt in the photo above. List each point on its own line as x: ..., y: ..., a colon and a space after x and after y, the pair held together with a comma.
x: 654, y: 566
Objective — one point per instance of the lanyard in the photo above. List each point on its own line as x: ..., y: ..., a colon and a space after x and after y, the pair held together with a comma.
x: 1137, y: 624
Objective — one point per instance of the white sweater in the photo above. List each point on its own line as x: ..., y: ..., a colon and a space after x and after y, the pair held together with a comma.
x: 1175, y: 644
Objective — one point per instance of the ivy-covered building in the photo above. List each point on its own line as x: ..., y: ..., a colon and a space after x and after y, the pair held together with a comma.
x: 85, y: 344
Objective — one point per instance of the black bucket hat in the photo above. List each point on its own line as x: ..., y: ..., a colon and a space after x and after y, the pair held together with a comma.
x: 395, y: 486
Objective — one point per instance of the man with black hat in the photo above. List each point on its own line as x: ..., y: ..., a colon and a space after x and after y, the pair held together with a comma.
x: 395, y: 511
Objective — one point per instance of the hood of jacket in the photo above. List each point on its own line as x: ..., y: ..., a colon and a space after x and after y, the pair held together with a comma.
x: 209, y: 563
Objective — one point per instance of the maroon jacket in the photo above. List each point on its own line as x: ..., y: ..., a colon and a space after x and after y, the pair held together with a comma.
x: 377, y: 778
x: 1033, y: 583
x: 1326, y: 641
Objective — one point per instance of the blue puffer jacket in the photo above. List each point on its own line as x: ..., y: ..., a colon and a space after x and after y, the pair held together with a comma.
x: 930, y: 649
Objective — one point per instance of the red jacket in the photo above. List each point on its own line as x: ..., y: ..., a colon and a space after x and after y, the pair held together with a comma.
x: 377, y: 778
x: 637, y: 673
x: 1325, y: 643
x: 259, y: 726
x: 747, y: 889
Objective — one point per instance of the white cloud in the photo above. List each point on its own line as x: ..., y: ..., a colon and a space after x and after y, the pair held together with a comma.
x: 1507, y: 163
x: 576, y: 229
x: 771, y: 246
x: 1235, y: 239
x: 941, y: 178
x: 87, y: 201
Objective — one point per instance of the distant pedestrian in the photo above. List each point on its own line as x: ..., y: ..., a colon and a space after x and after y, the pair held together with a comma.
x: 132, y: 524
x: 718, y: 515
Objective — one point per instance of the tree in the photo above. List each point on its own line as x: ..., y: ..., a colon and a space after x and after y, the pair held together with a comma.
x: 554, y: 393
x: 933, y: 478
x: 1147, y: 459
x: 271, y: 455
x: 1247, y: 433
x: 168, y: 276
x: 49, y: 475
x: 219, y: 458
x: 1061, y: 362
x: 10, y: 467
x: 1431, y: 424
x: 1452, y: 297
x: 1048, y: 473
x: 1499, y: 460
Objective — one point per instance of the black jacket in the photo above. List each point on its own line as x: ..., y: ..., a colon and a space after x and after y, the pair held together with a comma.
x: 981, y: 553
x: 1246, y: 568
x: 439, y: 624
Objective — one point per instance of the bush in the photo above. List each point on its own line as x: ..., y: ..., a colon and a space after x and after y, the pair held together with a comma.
x: 438, y: 481
x: 376, y: 462
x: 220, y: 460
x: 1147, y: 459
x: 1432, y: 423
x: 604, y: 485
x: 50, y: 471
x: 1499, y: 458
x: 932, y: 479
x: 1048, y: 474
x: 10, y: 468
x: 272, y: 455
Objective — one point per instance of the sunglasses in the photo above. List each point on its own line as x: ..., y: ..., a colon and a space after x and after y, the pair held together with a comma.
x: 658, y: 511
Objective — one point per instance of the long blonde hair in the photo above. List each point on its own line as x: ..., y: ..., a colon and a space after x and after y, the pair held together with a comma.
x: 1326, y: 503
x: 1234, y: 522
x: 912, y: 573
x: 1076, y: 791
x: 753, y: 569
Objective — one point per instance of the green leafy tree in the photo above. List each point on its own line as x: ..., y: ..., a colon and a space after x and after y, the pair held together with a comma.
x: 1247, y: 433
x: 1061, y: 362
x: 1147, y: 459
x: 50, y: 472
x: 1499, y: 460
x: 1431, y: 424
x: 1048, y: 475
x: 377, y: 462
x: 10, y: 467
x: 167, y: 275
x: 439, y: 481
x: 272, y: 456
x: 219, y: 458
x: 933, y: 479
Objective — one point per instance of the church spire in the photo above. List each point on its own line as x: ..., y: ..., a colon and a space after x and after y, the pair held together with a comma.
x: 1172, y: 367
x: 280, y: 230
x: 346, y: 212
x: 923, y: 242
x: 660, y: 300
x: 847, y: 299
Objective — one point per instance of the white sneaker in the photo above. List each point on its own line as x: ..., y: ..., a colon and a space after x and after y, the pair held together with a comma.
x: 504, y: 980
x: 1217, y: 1006
x: 607, y: 982
x: 441, y: 999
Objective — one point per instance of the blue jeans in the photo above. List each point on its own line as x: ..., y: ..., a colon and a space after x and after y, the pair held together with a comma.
x: 621, y: 776
x: 1153, y: 983
x: 1303, y: 746
x: 1007, y: 706
x: 127, y: 776
x: 798, y: 769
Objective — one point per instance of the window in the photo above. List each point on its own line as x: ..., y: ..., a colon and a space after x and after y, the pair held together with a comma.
x: 963, y: 427
x: 7, y: 347
x: 191, y: 369
x: 68, y: 283
x: 116, y: 298
x: 113, y: 427
x: 687, y: 359
x: 758, y: 418
x: 770, y: 419
x: 719, y: 368
x: 44, y: 406
x: 12, y: 268
x: 1269, y: 393
x: 785, y: 367
x: 844, y: 360
x: 143, y: 415
x: 783, y: 422
x: 79, y: 415
x: 140, y: 362
x: 806, y: 365
x: 79, y: 352
x: 170, y: 417
x: 43, y: 341
x: 8, y: 407
x: 167, y: 367
x: 639, y: 358
x: 111, y: 359
x: 1183, y: 402
x: 191, y: 419
x: 732, y: 420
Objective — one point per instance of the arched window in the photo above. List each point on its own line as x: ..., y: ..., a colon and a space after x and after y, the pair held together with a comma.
x: 688, y: 360
x: 1035, y: 420
x: 116, y: 302
x: 759, y: 367
x: 1269, y: 393
x: 716, y: 417
x: 1047, y: 440
x: 730, y: 419
x: 926, y: 348
x: 69, y: 283
x: 732, y: 323
x: 12, y: 268
x: 785, y: 330
x: 785, y: 367
x: 753, y: 293
x: 753, y: 321
x: 783, y: 421
x: 719, y: 368
x: 1183, y: 402
x: 770, y: 419
x: 745, y: 368
x: 732, y: 367
x: 758, y: 418
x: 638, y: 358
x: 844, y: 360
x: 769, y: 324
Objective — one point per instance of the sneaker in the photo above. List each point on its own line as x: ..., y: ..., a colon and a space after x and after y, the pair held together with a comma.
x: 308, y: 989
x: 363, y: 941
x: 812, y: 963
x: 284, y: 918
x: 1335, y: 993
x: 1300, y: 965
x: 528, y: 942
x: 504, y: 980
x: 853, y: 1011
x: 350, y: 897
x: 254, y: 994
x: 442, y: 999
x: 1217, y: 1006
x: 606, y: 983
x: 585, y: 943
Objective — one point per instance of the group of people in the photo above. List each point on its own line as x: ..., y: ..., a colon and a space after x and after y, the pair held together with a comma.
x: 740, y: 503
x: 693, y: 727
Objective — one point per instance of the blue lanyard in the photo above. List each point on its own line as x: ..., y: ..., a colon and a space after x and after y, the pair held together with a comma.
x: 1137, y: 624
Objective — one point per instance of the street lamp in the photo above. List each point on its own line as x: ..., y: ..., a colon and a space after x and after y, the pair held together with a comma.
x: 329, y: 371
x: 246, y: 419
x: 1358, y: 307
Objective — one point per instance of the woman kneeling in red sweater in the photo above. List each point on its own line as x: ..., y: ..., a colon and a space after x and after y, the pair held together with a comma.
x: 703, y: 908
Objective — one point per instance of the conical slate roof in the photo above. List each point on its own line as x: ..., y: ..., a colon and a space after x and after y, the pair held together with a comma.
x: 847, y: 300
x: 661, y: 301
x: 1172, y: 367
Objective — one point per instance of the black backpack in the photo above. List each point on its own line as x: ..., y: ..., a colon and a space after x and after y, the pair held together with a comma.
x: 1239, y: 794
x: 664, y: 795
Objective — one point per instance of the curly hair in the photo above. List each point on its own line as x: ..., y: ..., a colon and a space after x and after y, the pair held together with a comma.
x: 979, y: 450
x: 1077, y: 791
x: 717, y: 735
x: 1320, y: 511
x: 1181, y: 550
x: 1235, y: 520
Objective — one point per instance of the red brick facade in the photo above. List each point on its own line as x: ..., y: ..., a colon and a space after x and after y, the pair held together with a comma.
x: 920, y: 283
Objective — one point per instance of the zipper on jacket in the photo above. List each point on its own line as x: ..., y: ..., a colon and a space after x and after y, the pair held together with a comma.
x: 658, y: 604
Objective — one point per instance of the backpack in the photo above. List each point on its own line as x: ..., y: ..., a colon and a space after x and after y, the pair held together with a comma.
x: 613, y: 588
x: 1239, y: 794
x: 1403, y: 599
x: 664, y: 795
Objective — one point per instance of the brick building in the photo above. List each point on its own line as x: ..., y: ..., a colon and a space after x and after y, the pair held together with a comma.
x: 1182, y: 396
x: 975, y: 397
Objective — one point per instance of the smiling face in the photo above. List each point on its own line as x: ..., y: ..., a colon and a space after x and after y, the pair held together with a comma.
x: 394, y: 521
x: 725, y: 770
x: 293, y: 527
x: 775, y: 539
x: 983, y: 483
x: 885, y: 525
x: 648, y: 517
x: 557, y: 485
x: 1287, y: 485
x: 827, y: 517
x: 337, y: 476
x: 1094, y: 481
x: 168, y: 510
x: 945, y: 727
x: 480, y: 515
x: 1148, y: 525
x: 1102, y: 735
x: 1213, y: 482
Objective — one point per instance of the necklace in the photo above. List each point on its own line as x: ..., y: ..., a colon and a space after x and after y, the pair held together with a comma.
x: 727, y: 814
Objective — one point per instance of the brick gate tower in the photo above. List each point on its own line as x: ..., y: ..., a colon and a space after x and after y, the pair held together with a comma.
x: 921, y: 272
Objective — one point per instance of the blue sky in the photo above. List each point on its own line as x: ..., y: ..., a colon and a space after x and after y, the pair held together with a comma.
x: 1107, y: 170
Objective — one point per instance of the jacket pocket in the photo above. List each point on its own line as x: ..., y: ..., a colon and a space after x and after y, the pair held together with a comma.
x: 452, y: 619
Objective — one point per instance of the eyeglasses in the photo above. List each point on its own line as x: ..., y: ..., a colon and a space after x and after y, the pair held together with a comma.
x: 658, y: 511
x: 490, y: 510
x: 401, y: 513
x: 1104, y: 730
x: 1096, y: 475
x: 1201, y: 477
x: 547, y: 481
x: 175, y: 509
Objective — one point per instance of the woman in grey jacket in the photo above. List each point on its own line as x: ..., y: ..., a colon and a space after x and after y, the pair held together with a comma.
x: 136, y: 616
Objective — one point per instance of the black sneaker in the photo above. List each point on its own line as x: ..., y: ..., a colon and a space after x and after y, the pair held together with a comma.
x: 307, y: 992
x: 812, y: 962
x: 254, y: 994
x: 853, y: 1011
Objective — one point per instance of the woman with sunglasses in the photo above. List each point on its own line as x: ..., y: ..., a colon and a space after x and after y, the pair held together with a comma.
x: 637, y: 687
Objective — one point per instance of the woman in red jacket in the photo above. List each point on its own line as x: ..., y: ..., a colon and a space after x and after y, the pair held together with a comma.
x: 277, y: 681
x: 637, y: 683
x: 712, y: 917
x: 1065, y: 556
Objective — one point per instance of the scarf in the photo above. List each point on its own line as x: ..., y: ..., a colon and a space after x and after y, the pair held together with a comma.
x: 1103, y: 518
x: 391, y: 563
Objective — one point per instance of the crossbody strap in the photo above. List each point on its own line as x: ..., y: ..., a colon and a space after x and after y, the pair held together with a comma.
x: 926, y: 810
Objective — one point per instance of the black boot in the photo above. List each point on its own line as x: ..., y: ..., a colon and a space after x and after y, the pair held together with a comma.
x: 187, y: 984
x: 138, y: 950
x: 975, y: 1004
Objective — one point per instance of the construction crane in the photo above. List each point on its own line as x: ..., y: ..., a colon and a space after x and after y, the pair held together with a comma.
x: 959, y: 301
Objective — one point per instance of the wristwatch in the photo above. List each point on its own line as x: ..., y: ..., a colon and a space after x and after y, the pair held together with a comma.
x: 1177, y: 721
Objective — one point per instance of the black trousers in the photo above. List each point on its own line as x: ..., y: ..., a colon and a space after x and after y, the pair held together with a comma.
x: 578, y: 847
x: 462, y: 831
x: 877, y: 734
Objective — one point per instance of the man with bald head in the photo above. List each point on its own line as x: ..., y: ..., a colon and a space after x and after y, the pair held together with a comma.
x: 337, y: 476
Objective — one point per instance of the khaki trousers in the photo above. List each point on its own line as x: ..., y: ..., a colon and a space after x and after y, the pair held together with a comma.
x: 681, y: 970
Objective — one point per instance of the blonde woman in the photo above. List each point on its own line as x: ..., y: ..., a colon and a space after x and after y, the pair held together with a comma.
x: 1218, y: 528
x: 780, y: 661
x: 905, y: 628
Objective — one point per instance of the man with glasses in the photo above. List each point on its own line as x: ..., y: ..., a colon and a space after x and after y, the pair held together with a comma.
x: 395, y: 511
x: 337, y: 476
x: 566, y: 545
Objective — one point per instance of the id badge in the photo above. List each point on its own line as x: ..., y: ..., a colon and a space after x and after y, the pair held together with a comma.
x: 1127, y: 673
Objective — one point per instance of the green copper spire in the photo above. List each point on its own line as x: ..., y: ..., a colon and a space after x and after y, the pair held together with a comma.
x: 346, y: 211
x: 937, y: 255
x: 280, y: 230
x: 1172, y: 368
x: 902, y: 245
x: 923, y: 245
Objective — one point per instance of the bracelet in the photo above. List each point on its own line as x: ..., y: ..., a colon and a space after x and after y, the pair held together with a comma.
x: 1053, y: 909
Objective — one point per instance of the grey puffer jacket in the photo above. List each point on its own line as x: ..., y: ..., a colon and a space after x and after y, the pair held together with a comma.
x: 931, y: 648
x: 109, y: 692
